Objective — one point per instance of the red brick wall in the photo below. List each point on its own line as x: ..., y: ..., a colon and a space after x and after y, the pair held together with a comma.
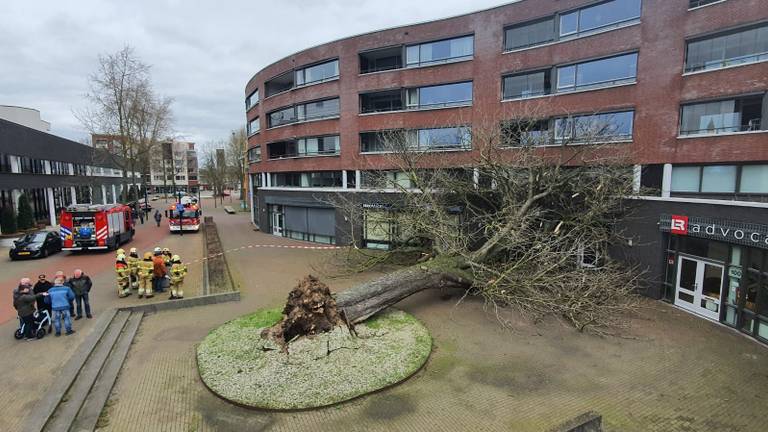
x: 656, y: 98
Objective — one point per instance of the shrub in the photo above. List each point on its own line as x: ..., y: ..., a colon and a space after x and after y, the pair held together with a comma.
x: 26, y: 219
x: 8, y: 220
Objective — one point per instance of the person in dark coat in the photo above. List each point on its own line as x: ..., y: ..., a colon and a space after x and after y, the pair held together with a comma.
x: 81, y: 285
x: 158, y: 217
x: 24, y: 303
x: 42, y: 286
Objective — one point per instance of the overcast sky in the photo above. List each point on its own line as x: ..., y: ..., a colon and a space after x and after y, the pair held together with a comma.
x: 202, y: 52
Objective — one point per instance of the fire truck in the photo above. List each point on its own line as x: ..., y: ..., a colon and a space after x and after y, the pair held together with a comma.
x: 190, y: 217
x: 95, y: 227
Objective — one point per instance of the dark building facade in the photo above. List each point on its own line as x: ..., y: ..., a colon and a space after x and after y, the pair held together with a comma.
x: 680, y: 85
x: 52, y: 172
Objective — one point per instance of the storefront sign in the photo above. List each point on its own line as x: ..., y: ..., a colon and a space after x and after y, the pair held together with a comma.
x: 734, y: 272
x: 747, y: 234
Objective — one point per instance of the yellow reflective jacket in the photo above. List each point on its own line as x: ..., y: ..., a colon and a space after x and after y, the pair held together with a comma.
x: 178, y: 271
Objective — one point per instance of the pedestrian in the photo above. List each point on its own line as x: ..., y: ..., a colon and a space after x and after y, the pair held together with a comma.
x: 72, y: 302
x: 42, y: 286
x: 158, y: 217
x: 81, y: 284
x: 159, y: 271
x: 24, y: 303
x: 141, y: 215
x: 59, y: 297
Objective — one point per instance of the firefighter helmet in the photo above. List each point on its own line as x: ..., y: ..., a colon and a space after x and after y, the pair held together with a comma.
x: 120, y: 251
x: 147, y: 255
x: 133, y: 250
x: 176, y: 259
x: 166, y: 250
x: 158, y: 251
x: 121, y: 258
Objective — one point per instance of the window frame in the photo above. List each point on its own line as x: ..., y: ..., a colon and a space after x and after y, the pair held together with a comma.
x: 303, y: 69
x: 420, y: 63
x: 717, y: 34
x: 737, y: 99
x: 302, y: 118
x: 252, y: 132
x: 252, y: 103
x: 571, y: 141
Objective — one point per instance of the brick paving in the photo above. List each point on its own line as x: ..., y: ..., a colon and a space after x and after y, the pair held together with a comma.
x: 670, y: 372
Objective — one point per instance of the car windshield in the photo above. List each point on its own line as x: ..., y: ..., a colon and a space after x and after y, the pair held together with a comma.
x: 34, y: 237
x: 187, y: 213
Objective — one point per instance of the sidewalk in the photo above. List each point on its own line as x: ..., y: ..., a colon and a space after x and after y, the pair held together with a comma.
x: 672, y: 372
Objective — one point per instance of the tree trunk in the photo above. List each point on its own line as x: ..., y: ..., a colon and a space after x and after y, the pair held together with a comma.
x: 361, y: 302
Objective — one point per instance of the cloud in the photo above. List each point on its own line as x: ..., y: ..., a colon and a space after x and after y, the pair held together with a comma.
x: 202, y: 53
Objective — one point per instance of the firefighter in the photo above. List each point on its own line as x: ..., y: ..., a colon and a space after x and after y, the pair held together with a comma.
x: 167, y: 257
x: 133, y: 267
x: 145, y: 276
x: 123, y: 277
x: 119, y: 252
x: 178, y: 272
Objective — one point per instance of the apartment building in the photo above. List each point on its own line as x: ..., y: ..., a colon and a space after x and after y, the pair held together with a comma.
x: 680, y: 85
x: 174, y: 168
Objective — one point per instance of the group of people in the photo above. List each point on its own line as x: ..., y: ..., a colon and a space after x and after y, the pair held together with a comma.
x: 57, y: 299
x: 155, y: 272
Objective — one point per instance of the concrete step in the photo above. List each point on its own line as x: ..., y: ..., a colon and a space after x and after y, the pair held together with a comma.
x: 89, y: 413
x: 45, y: 407
x: 75, y: 397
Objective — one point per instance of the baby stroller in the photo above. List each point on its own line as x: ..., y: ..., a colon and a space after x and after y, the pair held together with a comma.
x: 42, y: 320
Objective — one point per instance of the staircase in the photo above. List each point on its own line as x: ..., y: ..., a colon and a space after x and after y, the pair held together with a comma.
x: 84, y: 384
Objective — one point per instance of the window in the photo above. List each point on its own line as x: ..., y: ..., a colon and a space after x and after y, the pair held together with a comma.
x: 741, y: 46
x: 450, y: 138
x: 594, y: 128
x: 252, y: 99
x: 310, y: 146
x: 254, y: 154
x: 315, y: 179
x: 391, y: 100
x: 254, y: 126
x: 752, y: 179
x: 697, y: 3
x: 5, y: 163
x: 381, y: 59
x: 31, y: 166
x: 725, y: 116
x: 59, y: 168
x: 598, y: 17
x: 317, y: 73
x: 386, y: 180
x: 305, y: 112
x: 279, y: 84
x: 597, y: 73
x: 439, y: 96
x: 526, y: 85
x: 529, y: 34
x: 522, y: 133
x: 440, y: 52
x: 587, y: 20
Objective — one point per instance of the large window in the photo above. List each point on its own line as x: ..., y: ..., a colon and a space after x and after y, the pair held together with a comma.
x: 594, y: 128
x: 741, y: 46
x: 529, y: 34
x: 317, y: 73
x: 580, y: 22
x: 5, y: 163
x: 390, y: 100
x: 31, y: 166
x: 729, y: 179
x: 59, y: 168
x: 725, y: 116
x: 597, y: 73
x: 526, y: 133
x: 530, y: 84
x: 593, y: 74
x: 307, y: 179
x: 305, y: 112
x: 252, y: 99
x: 279, y: 84
x: 439, y: 96
x: 598, y: 17
x: 440, y: 52
x: 310, y: 146
x: 254, y: 154
x: 432, y: 139
x: 254, y: 126
x: 381, y: 59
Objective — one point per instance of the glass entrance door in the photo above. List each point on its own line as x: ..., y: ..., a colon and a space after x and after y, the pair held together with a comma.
x: 699, y: 286
x: 276, y: 211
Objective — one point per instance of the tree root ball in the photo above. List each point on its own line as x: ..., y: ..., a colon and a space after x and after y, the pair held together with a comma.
x: 237, y: 364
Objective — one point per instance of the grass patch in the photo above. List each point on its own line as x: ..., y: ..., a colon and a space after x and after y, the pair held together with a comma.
x: 260, y: 319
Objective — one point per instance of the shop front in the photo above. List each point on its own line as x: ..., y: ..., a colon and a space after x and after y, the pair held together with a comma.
x: 718, y: 270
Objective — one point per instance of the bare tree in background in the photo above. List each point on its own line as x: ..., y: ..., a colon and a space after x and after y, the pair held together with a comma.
x: 125, y: 106
x: 236, y: 160
x: 525, y: 224
x: 214, y: 170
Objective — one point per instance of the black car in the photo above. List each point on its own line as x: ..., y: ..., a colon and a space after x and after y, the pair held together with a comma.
x: 37, y: 244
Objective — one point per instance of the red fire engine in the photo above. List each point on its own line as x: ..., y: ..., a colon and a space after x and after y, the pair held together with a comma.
x: 92, y: 227
x: 189, y: 220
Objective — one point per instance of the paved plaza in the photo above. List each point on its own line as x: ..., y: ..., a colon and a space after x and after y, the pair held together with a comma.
x: 669, y: 372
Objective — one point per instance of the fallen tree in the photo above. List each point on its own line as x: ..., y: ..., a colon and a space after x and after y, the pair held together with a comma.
x: 527, y: 227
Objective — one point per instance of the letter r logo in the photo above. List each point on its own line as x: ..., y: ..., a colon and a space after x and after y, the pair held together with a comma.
x: 679, y: 225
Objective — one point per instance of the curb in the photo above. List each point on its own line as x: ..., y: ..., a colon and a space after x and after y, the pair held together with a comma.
x: 232, y: 296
